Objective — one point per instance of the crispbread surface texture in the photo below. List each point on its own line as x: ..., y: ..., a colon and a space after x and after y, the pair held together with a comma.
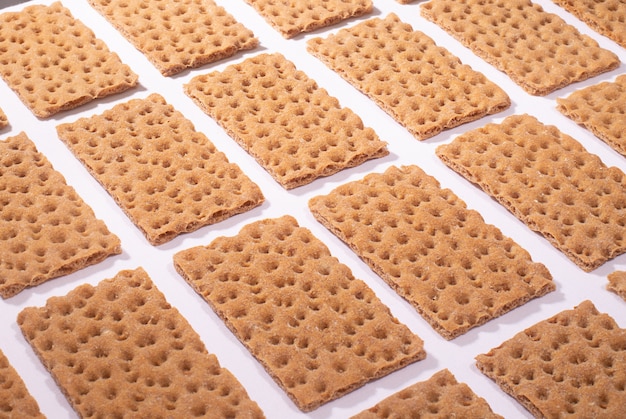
x: 120, y: 349
x: 53, y: 62
x: 317, y: 330
x: 15, y: 399
x: 441, y: 396
x: 292, y: 127
x: 538, y: 50
x: 456, y: 270
x: 3, y: 119
x: 46, y: 229
x: 292, y: 18
x: 168, y: 177
x: 422, y: 86
x: 600, y: 108
x: 177, y: 34
x: 550, y: 182
x: 617, y: 283
x: 604, y: 16
x: 570, y: 365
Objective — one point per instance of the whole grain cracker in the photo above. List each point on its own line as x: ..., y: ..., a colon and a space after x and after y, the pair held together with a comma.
x: 53, y: 62
x: 617, y: 283
x: 46, y: 229
x: 292, y: 18
x: 167, y: 177
x: 293, y: 128
x: 550, y: 182
x: 538, y: 50
x: 441, y: 396
x: 571, y: 364
x: 15, y: 399
x: 318, y: 331
x: 607, y: 17
x: 600, y: 108
x: 177, y: 34
x: 4, y: 122
x: 422, y: 86
x: 457, y: 271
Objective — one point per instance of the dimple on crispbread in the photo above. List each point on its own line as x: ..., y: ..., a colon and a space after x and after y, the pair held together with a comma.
x: 617, y: 283
x: 292, y: 18
x: 600, y: 108
x: 550, y: 182
x: 571, y: 364
x: 538, y: 50
x: 317, y: 330
x: 15, y: 399
x: 46, y: 229
x: 168, y: 177
x: 421, y: 85
x: 54, y: 62
x: 179, y: 34
x: 293, y: 128
x: 120, y: 349
x: 456, y: 270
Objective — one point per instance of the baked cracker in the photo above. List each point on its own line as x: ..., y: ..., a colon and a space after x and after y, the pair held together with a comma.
x: 15, y: 399
x: 617, y: 283
x: 4, y: 122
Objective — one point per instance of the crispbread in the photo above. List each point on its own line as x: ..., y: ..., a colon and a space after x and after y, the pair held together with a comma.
x: 456, y: 270
x: 15, y: 400
x: 177, y: 34
x: 293, y: 128
x: 550, y: 182
x: 600, y: 108
x: 3, y: 119
x: 604, y: 16
x: 46, y: 230
x: 538, y: 50
x: 165, y: 175
x: 317, y: 330
x: 571, y: 365
x: 54, y: 62
x: 617, y: 283
x: 119, y: 349
x: 441, y: 396
x: 292, y: 18
x: 421, y: 85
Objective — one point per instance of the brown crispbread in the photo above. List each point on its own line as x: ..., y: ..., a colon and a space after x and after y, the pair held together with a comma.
x: 457, y: 271
x: 120, y: 349
x: 15, y: 400
x: 538, y: 50
x: 46, y: 229
x: 570, y: 365
x: 292, y: 18
x: 441, y: 396
x: 421, y: 85
x: 600, y: 108
x: 167, y: 177
x: 293, y: 128
x: 617, y: 283
x: 179, y: 34
x: 318, y: 331
x: 550, y: 182
x: 3, y: 120
x: 54, y: 62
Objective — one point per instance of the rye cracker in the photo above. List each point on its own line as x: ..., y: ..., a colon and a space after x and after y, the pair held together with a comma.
x: 53, y: 62
x: 318, y: 331
x: 617, y: 283
x: 15, y: 399
x: 550, y: 182
x: 46, y: 229
x: 457, y: 271
x: 4, y: 122
x: 421, y: 85
x: 167, y: 177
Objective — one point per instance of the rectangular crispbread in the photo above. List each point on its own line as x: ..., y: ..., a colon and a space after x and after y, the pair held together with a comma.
x: 179, y: 34
x: 456, y: 270
x: 167, y: 177
x: 293, y: 128
x: 422, y: 86
x: 318, y: 331
x: 570, y: 365
x: 120, y: 349
x: 550, y: 182
x: 15, y: 399
x: 54, y: 62
x: 538, y: 50
x: 617, y: 283
x: 46, y: 229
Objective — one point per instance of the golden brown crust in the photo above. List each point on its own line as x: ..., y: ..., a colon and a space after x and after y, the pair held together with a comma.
x: 15, y: 400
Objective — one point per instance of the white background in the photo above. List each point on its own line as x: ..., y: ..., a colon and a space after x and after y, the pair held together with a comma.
x: 573, y: 285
